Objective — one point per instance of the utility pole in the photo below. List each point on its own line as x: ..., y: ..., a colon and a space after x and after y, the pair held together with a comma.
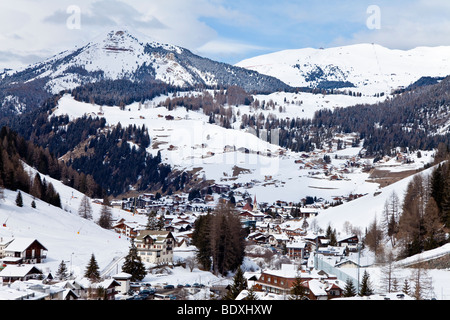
x: 359, y: 258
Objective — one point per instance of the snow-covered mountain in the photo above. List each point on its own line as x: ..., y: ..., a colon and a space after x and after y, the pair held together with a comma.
x: 364, y: 68
x: 125, y: 54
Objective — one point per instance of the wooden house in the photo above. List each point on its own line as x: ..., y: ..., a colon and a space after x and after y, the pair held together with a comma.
x: 13, y: 273
x: 127, y: 228
x: 23, y: 250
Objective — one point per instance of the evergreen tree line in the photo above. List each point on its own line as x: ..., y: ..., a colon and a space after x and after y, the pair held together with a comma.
x: 13, y: 176
x: 115, y: 164
x: 14, y: 149
x: 108, y: 164
x: 425, y: 217
x: 420, y: 222
x: 121, y: 92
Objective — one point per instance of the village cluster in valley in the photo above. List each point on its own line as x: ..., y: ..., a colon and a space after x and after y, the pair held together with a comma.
x: 278, y: 229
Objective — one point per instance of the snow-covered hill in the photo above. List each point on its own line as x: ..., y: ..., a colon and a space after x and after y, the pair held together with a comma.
x: 370, y: 68
x: 65, y: 234
x: 230, y: 156
x: 237, y: 157
x: 70, y: 238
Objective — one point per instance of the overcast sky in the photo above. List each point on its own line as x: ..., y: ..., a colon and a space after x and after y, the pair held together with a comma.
x: 228, y: 31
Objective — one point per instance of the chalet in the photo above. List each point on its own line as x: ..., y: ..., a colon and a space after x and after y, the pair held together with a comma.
x: 250, y: 215
x: 308, y: 212
x: 346, y: 263
x: 110, y: 285
x: 155, y: 246
x: 23, y: 250
x: 332, y: 251
x: 278, y: 239
x: 13, y: 273
x: 258, y: 238
x: 351, y: 242
x: 116, y: 204
x: 324, y: 290
x: 126, y: 228
x: 319, y: 285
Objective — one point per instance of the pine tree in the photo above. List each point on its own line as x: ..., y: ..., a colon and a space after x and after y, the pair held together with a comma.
x: 434, y: 233
x: 406, y: 288
x: 349, y: 290
x: 133, y: 264
x: 365, y: 289
x: 19, y: 201
x: 445, y: 203
x: 239, y: 284
x: 61, y: 274
x: 251, y: 295
x: 105, y: 219
x: 152, y: 222
x: 331, y: 235
x: 85, y: 209
x: 298, y: 290
x: 92, y: 270
x: 201, y: 240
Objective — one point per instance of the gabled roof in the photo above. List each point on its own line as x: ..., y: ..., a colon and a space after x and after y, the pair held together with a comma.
x: 19, y: 270
x: 21, y: 244
x: 154, y: 234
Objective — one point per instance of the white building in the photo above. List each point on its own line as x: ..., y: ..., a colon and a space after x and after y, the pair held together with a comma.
x: 155, y: 246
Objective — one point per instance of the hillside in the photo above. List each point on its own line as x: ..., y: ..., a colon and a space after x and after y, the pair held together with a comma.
x: 65, y: 234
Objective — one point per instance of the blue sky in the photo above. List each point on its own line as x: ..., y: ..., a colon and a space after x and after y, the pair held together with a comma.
x: 228, y: 31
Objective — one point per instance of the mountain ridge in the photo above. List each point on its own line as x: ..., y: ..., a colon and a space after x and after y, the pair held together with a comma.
x: 120, y: 55
x: 368, y: 68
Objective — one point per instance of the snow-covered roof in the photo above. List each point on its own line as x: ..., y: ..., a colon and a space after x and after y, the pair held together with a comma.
x: 122, y: 275
x: 296, y: 244
x: 20, y: 244
x: 317, y: 287
x: 17, y: 270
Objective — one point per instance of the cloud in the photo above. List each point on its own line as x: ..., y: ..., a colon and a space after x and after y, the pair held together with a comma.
x: 406, y: 26
x: 227, y: 46
x: 108, y: 13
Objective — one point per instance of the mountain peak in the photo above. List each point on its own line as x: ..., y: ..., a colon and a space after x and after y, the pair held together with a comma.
x: 125, y: 54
